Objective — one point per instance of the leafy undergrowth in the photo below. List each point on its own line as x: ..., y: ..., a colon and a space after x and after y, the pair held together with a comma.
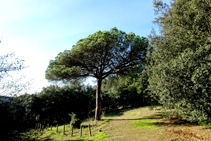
x: 140, y: 124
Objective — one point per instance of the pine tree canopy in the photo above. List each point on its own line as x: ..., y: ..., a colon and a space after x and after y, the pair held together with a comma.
x: 99, y: 55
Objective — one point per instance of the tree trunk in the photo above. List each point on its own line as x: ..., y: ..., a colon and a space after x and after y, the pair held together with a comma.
x: 98, y: 99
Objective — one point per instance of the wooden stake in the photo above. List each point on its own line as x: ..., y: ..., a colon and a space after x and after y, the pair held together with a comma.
x: 80, y: 131
x: 89, y: 130
x: 40, y: 127
x: 64, y: 130
x: 72, y: 131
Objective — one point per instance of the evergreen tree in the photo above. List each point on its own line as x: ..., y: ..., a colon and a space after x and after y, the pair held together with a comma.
x: 180, y: 63
x: 99, y: 55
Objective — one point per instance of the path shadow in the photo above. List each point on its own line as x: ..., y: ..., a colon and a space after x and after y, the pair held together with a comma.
x: 158, y: 115
x: 208, y: 128
x: 175, y: 123
x: 128, y: 119
x: 119, y: 112
x: 116, y: 112
x: 122, y: 119
x: 48, y: 139
x: 169, y: 121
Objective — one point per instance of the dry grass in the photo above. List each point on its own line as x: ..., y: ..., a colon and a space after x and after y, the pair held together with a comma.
x: 138, y: 124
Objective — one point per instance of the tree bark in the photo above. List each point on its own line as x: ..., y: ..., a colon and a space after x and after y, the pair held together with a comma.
x: 98, y: 99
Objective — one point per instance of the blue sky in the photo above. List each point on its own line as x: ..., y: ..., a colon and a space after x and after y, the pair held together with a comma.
x: 37, y: 30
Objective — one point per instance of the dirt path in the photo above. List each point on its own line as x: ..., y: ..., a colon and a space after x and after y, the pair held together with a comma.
x: 142, y: 124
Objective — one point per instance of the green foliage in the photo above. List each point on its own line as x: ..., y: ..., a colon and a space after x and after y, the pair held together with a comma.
x: 73, y: 118
x: 75, y: 122
x: 180, y: 65
x: 51, y: 106
x: 99, y: 55
x: 204, y: 123
x: 122, y: 91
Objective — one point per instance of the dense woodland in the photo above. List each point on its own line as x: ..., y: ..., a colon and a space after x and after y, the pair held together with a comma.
x: 171, y: 69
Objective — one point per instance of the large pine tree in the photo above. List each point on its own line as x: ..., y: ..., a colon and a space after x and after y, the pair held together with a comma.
x: 100, y: 55
x: 180, y: 65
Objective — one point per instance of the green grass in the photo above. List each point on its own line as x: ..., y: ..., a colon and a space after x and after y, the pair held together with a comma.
x: 96, y: 137
x: 100, y: 136
x: 144, y: 124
